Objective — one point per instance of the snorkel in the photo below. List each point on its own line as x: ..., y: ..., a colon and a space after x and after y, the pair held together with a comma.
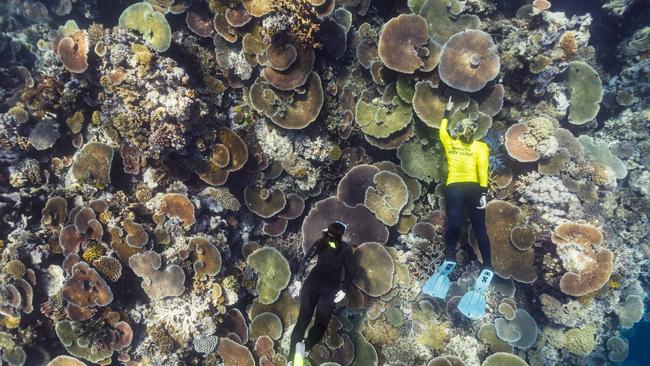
x: 335, y: 232
x: 465, y: 130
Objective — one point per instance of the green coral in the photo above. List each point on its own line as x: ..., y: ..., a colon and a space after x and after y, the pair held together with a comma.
x: 387, y: 198
x: 68, y: 28
x: 6, y: 341
x: 617, y: 348
x: 471, y: 114
x: 365, y: 353
x: 286, y: 307
x: 586, y: 91
x: 503, y: 359
x: 631, y: 311
x: 444, y: 21
x: 421, y: 160
x: 428, y: 103
x: 267, y: 324
x: 488, y: 335
x: 381, y: 121
x: 394, y: 316
x: 273, y: 273
x: 641, y: 39
x: 80, y: 341
x: 154, y: 27
x: 600, y: 153
x: 405, y: 88
x: 15, y: 356
x: 12, y: 354
x: 415, y: 5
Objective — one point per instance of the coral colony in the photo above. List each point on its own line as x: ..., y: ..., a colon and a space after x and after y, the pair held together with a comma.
x: 164, y: 166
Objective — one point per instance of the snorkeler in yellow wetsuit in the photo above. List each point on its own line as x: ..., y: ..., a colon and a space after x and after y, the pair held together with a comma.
x: 467, y: 160
x: 465, y: 188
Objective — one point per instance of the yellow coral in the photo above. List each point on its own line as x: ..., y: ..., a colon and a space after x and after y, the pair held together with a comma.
x: 93, y: 252
x: 580, y: 341
x: 600, y: 174
x: 216, y: 295
x: 435, y: 336
x: 538, y: 63
x: 10, y: 322
x: 614, y: 284
x: 142, y: 54
x: 305, y: 26
x: 105, y: 217
x: 569, y: 44
x: 95, y: 118
x: 15, y: 268
x: 381, y: 332
x: 335, y: 153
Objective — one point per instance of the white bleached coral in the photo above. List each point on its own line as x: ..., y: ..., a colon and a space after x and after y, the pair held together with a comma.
x: 548, y: 196
x: 184, y: 318
x: 299, y: 153
x: 541, y: 136
x: 467, y: 348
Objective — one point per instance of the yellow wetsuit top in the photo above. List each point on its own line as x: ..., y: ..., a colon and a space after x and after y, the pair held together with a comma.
x: 465, y: 162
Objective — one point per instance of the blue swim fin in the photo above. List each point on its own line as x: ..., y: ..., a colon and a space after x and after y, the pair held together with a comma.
x: 438, y: 285
x: 472, y: 304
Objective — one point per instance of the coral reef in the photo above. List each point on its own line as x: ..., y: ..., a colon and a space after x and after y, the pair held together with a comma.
x: 165, y: 165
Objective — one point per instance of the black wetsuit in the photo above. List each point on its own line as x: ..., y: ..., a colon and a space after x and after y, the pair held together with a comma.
x: 459, y: 197
x: 319, y: 289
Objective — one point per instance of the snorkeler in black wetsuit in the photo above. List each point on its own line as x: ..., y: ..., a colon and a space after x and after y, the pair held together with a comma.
x: 324, y: 286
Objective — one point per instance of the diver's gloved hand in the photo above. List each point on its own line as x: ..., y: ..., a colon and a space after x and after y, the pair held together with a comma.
x: 449, y: 107
x: 483, y: 200
x: 295, y: 287
x: 339, y: 296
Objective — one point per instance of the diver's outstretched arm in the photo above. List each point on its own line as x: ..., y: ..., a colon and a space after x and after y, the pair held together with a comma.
x: 311, y: 253
x: 443, y: 133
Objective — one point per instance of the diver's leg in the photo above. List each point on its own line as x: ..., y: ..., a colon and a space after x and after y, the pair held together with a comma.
x: 437, y: 286
x: 308, y: 301
x: 477, y: 216
x: 324, y: 309
x: 455, y: 204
